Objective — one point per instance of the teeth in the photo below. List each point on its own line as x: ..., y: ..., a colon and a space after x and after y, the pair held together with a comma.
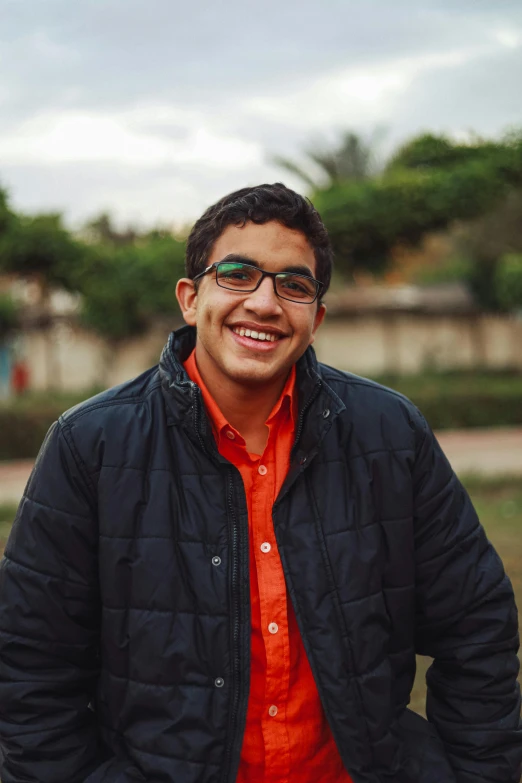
x: 255, y: 335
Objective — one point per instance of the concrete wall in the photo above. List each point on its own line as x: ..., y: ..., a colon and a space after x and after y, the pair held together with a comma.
x: 409, y: 343
x: 68, y: 357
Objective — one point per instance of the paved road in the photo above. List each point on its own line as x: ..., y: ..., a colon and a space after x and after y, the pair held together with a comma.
x: 491, y: 452
x: 488, y: 451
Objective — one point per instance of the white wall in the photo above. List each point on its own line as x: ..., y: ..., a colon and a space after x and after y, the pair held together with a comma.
x: 71, y: 358
x: 409, y: 343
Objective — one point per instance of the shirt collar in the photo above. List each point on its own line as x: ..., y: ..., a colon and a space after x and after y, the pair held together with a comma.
x: 286, y: 403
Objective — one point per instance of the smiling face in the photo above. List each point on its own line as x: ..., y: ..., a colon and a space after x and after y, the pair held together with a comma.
x: 225, y: 352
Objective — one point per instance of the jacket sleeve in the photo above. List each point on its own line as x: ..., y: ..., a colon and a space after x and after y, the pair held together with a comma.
x: 49, y: 629
x: 467, y: 621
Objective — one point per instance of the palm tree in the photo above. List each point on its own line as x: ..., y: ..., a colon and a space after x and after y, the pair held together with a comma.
x: 352, y: 159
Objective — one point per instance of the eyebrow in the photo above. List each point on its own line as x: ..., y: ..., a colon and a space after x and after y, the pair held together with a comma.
x: 297, y: 269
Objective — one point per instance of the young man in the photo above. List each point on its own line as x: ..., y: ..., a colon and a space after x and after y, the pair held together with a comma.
x: 222, y: 570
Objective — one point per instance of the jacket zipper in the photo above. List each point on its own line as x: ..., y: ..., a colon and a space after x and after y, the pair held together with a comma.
x: 306, y: 406
x: 236, y: 674
x: 196, y: 393
x: 235, y: 632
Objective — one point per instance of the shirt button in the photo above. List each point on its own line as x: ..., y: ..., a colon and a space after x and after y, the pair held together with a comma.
x: 230, y: 435
x: 272, y: 711
x: 273, y: 628
x: 216, y: 560
x: 219, y: 682
x: 265, y: 547
x: 262, y: 470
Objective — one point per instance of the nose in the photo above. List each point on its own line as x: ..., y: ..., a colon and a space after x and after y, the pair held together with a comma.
x: 264, y: 299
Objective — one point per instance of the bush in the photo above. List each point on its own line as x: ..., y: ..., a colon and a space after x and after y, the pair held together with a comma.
x: 457, y: 400
x: 448, y: 400
x: 509, y: 281
x: 23, y: 431
x: 24, y: 421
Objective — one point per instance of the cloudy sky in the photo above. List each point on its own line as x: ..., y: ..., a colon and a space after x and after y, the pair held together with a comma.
x: 153, y: 109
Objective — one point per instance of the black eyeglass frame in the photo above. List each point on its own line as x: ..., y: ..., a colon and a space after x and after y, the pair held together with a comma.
x: 319, y: 286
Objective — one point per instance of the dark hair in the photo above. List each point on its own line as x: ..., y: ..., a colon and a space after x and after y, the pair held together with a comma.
x: 260, y: 204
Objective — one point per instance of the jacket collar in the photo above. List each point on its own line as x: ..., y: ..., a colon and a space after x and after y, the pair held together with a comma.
x: 318, y: 404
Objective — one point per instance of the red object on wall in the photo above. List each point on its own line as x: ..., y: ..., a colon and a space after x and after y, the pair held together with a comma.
x: 19, y: 377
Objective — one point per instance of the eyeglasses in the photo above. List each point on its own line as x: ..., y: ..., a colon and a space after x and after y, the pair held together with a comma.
x: 245, y: 278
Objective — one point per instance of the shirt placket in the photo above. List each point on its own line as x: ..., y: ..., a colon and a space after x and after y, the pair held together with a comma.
x: 274, y: 619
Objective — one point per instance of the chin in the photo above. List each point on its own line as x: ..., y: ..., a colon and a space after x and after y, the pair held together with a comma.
x: 255, y: 375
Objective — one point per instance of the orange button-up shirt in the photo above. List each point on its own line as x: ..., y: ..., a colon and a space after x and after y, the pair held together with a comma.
x: 287, y: 738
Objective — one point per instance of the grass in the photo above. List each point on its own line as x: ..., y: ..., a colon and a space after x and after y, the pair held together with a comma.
x: 499, y: 506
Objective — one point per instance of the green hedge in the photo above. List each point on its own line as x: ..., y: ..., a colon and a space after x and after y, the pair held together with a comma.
x: 463, y: 399
x: 451, y: 400
x: 22, y: 431
x: 24, y: 421
x: 455, y: 411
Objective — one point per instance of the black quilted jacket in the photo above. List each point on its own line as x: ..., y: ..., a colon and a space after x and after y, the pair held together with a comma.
x: 124, y: 603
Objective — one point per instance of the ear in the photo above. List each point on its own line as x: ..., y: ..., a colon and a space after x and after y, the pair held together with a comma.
x: 319, y: 318
x: 187, y: 297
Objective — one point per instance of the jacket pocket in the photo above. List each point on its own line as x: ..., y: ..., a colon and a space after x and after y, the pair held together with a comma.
x: 427, y: 759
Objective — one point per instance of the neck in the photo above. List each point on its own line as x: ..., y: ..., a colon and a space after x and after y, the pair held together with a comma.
x: 245, y: 407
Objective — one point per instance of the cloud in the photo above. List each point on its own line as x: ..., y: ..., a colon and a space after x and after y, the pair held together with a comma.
x: 154, y: 110
x: 509, y: 37
x: 353, y: 96
x: 119, y: 138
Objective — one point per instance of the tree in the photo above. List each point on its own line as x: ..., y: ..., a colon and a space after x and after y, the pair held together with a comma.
x: 40, y: 248
x: 366, y: 220
x: 101, y: 230
x: 508, y: 282
x: 351, y: 160
x: 5, y: 213
x: 428, y: 152
x: 124, y: 288
x: 490, y: 241
x: 9, y: 317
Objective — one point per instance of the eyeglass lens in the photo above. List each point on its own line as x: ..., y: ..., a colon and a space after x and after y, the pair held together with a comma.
x: 243, y: 277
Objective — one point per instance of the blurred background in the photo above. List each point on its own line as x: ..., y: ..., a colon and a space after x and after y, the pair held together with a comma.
x: 121, y: 121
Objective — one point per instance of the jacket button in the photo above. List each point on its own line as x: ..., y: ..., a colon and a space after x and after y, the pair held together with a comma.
x: 326, y: 413
x: 216, y: 560
x: 219, y: 682
x: 302, y: 460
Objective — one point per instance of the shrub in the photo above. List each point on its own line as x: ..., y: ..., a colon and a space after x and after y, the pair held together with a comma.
x: 457, y: 400
x: 448, y: 401
x: 508, y: 279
